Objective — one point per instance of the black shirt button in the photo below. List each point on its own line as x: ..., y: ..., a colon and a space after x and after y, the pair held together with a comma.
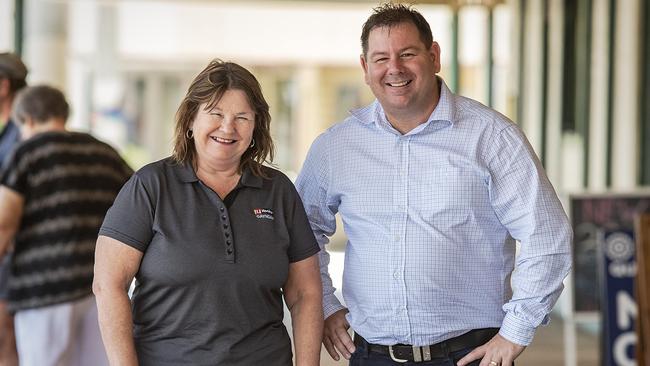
x: 221, y: 208
x: 229, y: 251
x: 225, y: 226
x: 223, y: 217
x: 227, y: 234
x: 228, y: 242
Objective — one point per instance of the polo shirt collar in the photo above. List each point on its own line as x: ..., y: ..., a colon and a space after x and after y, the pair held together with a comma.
x: 444, y: 111
x: 185, y: 173
x: 248, y: 179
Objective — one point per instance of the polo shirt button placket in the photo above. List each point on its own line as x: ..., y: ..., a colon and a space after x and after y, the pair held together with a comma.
x: 230, y: 250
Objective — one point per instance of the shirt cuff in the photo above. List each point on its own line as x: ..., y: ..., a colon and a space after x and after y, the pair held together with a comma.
x: 331, y: 305
x: 517, y: 330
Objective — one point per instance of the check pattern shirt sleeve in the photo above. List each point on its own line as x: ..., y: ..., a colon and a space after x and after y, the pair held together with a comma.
x: 432, y: 218
x: 525, y: 203
x: 313, y: 185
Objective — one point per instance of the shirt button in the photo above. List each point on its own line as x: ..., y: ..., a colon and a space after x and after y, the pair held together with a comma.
x: 223, y: 217
x: 397, y: 238
x: 221, y: 208
x: 225, y: 226
x: 228, y: 242
x: 229, y: 251
x: 227, y: 234
x: 396, y: 275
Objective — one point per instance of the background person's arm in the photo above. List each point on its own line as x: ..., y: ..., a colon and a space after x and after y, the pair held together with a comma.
x: 11, y: 210
x: 303, y: 295
x: 115, y: 266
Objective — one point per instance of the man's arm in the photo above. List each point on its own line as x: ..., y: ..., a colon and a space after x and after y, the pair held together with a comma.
x: 527, y: 205
x: 11, y: 210
x: 313, y: 185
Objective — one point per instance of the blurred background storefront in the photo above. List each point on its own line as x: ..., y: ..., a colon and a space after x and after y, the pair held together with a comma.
x: 570, y: 72
x: 575, y: 74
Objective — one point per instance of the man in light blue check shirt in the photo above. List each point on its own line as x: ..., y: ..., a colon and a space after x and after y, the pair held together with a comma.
x: 433, y: 189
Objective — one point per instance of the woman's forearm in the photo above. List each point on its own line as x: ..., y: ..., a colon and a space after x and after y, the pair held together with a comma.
x: 116, y: 326
x: 115, y: 266
x: 307, y: 322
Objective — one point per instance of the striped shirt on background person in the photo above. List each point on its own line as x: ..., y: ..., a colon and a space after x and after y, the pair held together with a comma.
x: 68, y: 181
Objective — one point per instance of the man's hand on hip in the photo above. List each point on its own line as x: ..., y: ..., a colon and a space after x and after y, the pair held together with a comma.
x: 336, y: 336
x: 497, y: 352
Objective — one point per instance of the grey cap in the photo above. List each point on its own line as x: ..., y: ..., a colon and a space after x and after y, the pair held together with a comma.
x: 12, y: 67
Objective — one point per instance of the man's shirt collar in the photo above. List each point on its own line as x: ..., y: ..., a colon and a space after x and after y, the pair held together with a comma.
x: 442, y: 115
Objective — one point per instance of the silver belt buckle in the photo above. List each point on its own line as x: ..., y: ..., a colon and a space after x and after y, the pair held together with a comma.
x: 419, y: 354
x: 392, y: 356
x: 426, y: 353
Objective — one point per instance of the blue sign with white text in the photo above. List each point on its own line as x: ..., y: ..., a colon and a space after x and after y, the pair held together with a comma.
x: 619, y: 307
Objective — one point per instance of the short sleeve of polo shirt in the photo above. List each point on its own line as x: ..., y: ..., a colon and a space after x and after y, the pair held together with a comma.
x: 303, y: 243
x: 130, y: 219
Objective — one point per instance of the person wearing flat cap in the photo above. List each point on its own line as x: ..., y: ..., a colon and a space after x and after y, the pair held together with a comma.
x: 12, y: 78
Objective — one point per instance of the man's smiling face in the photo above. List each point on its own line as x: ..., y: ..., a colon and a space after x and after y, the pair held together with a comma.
x: 400, y: 70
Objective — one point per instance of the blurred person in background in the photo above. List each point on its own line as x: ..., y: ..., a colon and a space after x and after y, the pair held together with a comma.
x: 433, y: 189
x: 214, y: 240
x: 55, y: 190
x: 12, y: 78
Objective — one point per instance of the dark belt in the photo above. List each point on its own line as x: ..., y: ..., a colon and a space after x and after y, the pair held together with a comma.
x: 408, y: 353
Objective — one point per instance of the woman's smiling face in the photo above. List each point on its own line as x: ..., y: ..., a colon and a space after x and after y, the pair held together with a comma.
x: 224, y: 133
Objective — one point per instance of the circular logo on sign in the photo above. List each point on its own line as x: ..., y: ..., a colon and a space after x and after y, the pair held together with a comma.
x: 619, y: 247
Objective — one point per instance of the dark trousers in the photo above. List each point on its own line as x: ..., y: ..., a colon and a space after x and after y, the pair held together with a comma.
x: 441, y: 354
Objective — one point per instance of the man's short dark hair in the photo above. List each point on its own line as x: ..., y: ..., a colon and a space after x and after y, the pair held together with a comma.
x: 389, y: 15
x: 40, y: 103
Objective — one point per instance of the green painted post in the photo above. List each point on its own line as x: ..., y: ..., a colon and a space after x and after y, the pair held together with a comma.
x: 490, y: 57
x: 455, y: 69
x: 19, y: 15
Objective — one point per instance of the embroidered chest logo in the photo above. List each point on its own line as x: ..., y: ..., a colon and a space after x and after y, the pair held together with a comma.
x: 263, y: 213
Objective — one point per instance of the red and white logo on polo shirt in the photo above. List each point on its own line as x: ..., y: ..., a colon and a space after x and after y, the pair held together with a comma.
x: 263, y: 213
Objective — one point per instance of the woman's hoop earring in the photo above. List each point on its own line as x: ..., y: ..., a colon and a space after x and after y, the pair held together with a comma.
x: 252, y: 144
x: 189, y: 134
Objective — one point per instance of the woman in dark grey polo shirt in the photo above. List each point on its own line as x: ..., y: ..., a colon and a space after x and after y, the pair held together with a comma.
x: 214, y: 240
